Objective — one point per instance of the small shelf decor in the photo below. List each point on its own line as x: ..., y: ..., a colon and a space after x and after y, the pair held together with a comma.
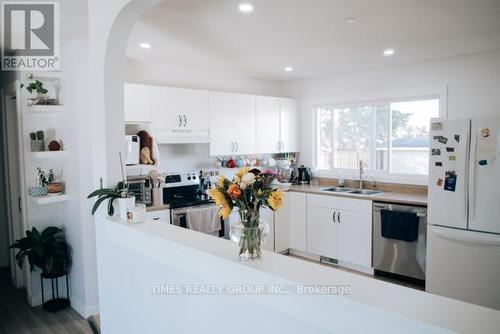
x: 249, y: 191
x: 47, y: 184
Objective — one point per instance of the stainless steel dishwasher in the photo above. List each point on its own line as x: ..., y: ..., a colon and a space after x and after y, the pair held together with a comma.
x: 397, y: 256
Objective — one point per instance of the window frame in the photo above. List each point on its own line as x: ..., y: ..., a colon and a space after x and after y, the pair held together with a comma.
x: 439, y: 93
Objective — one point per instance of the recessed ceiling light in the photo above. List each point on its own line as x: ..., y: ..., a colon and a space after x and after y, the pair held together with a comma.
x: 349, y: 20
x: 145, y: 45
x: 389, y: 52
x: 245, y: 8
x: 288, y: 69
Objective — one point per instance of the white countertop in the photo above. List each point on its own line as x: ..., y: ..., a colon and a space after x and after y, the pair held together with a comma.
x: 373, y: 305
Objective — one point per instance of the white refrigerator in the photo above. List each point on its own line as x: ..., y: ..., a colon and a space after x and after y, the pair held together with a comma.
x: 463, y: 237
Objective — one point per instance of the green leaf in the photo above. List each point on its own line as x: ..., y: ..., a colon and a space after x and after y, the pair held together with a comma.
x: 102, y: 192
x: 97, y: 203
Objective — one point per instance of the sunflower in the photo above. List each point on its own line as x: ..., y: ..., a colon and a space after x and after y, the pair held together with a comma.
x: 220, y: 181
x: 220, y: 201
x: 242, y: 172
x: 275, y: 200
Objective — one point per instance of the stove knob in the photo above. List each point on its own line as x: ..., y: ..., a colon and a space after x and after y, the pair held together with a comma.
x: 189, y: 178
x: 194, y: 177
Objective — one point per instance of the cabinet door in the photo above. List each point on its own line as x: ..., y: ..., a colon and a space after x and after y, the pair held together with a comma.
x: 267, y: 215
x: 221, y: 114
x: 354, y: 238
x: 195, y: 108
x: 321, y: 232
x: 243, y: 123
x: 298, y: 221
x: 267, y: 124
x: 289, y: 125
x: 137, y: 103
x: 165, y: 103
x: 281, y: 225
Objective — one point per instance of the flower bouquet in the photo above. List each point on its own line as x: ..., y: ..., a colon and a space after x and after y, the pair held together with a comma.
x: 249, y: 191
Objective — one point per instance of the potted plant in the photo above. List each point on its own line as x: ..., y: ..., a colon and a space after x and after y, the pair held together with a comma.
x: 103, y: 194
x: 249, y: 191
x: 36, y: 86
x: 47, y: 250
x: 37, y: 142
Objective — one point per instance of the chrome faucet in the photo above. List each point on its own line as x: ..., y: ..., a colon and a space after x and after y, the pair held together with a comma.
x: 361, y: 172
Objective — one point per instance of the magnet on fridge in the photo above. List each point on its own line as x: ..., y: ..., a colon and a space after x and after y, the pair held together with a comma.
x: 436, y: 151
x: 439, y: 182
x: 437, y: 126
x: 439, y: 164
x: 436, y: 137
x: 457, y: 138
x: 453, y: 157
x: 485, y: 132
x: 450, y: 181
x: 443, y: 140
x: 483, y: 162
x: 450, y: 149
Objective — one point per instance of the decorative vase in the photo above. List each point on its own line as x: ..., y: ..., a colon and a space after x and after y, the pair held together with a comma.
x: 38, y: 191
x: 127, y: 205
x: 55, y: 187
x: 37, y: 145
x: 250, y: 234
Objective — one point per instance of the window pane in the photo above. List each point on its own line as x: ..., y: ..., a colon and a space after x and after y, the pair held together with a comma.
x: 410, y: 135
x: 325, y: 121
x: 382, y: 137
x: 353, y: 136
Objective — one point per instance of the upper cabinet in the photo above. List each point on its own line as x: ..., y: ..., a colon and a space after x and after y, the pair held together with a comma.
x: 267, y: 124
x: 137, y: 103
x: 277, y: 121
x: 179, y: 108
x: 232, y: 123
x: 289, y: 125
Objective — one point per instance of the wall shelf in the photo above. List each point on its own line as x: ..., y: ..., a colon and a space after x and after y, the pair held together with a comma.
x: 49, y: 154
x: 45, y: 108
x: 43, y: 200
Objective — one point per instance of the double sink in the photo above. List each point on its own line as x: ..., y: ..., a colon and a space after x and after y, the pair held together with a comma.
x: 352, y: 191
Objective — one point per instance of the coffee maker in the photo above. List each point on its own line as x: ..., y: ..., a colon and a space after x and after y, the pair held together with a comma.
x: 303, y: 175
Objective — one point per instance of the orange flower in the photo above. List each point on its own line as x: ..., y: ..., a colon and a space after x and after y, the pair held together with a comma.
x: 234, y: 191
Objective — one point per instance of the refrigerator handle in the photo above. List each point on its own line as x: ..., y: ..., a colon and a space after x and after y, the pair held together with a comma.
x: 472, y: 175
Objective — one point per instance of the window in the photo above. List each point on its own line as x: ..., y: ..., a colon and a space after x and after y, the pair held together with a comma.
x: 391, y: 138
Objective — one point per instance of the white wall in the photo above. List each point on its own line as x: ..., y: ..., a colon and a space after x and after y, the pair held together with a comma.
x: 472, y: 83
x: 165, y: 74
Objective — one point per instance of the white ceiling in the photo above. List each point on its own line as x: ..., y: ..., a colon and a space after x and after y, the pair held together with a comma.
x: 310, y: 35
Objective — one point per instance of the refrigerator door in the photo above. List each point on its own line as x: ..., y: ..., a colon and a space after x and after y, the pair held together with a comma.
x: 464, y: 265
x: 448, y: 173
x: 484, y: 187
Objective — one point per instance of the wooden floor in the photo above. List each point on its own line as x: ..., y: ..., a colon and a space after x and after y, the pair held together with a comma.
x: 17, y: 316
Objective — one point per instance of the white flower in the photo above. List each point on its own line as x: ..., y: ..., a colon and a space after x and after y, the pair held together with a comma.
x: 248, y: 178
x: 243, y: 185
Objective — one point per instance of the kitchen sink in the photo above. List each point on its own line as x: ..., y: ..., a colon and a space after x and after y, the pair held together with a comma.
x: 365, y: 192
x: 338, y: 189
x: 352, y: 191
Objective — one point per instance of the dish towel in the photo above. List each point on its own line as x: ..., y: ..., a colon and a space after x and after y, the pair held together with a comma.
x: 399, y: 225
x: 205, y: 220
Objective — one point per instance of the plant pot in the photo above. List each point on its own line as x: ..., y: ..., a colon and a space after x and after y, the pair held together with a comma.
x: 54, y: 268
x: 127, y: 208
x: 250, y: 234
x: 38, y: 191
x: 37, y: 145
x: 55, y: 187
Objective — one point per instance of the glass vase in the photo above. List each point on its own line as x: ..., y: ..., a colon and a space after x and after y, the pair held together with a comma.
x: 250, y: 234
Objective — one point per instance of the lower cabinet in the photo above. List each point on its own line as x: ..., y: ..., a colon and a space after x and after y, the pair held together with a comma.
x: 297, y: 221
x: 340, y: 228
x: 282, y: 225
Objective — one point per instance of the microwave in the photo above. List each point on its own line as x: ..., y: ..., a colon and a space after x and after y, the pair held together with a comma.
x: 132, y: 150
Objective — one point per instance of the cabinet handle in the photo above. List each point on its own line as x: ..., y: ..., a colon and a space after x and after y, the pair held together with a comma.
x: 180, y: 121
x: 185, y: 120
x: 232, y: 147
x: 279, y: 146
x: 338, y: 216
x: 282, y: 146
x: 334, y: 217
x: 237, y: 147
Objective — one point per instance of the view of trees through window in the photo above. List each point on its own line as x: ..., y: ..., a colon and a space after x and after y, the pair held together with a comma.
x: 391, y: 137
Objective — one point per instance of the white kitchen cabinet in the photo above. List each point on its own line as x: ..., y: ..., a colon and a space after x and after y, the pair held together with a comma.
x: 321, y: 226
x: 340, y: 228
x: 289, y: 125
x: 298, y: 221
x: 161, y: 216
x: 137, y: 103
x: 179, y: 108
x: 282, y: 226
x: 232, y: 124
x: 267, y: 124
x: 267, y: 215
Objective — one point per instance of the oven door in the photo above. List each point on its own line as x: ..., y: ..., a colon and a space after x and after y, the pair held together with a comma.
x: 178, y: 218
